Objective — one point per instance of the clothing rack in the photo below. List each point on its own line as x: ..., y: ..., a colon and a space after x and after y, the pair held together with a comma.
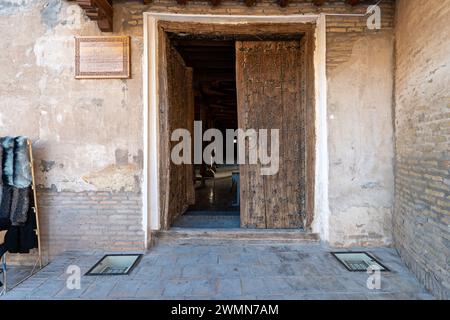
x: 38, y: 262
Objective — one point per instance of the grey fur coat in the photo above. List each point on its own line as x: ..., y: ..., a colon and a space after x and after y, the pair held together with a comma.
x: 1, y: 178
x: 16, y: 179
x: 22, y: 168
x: 8, y: 160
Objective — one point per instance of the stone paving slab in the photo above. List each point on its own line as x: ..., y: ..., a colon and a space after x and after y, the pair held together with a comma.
x: 229, y: 269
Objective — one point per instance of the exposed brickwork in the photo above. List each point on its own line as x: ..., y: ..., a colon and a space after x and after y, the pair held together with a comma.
x: 132, y: 11
x: 422, y: 203
x: 88, y: 221
x: 91, y: 220
x: 342, y: 31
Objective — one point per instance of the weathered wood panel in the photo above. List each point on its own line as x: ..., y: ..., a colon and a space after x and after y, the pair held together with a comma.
x: 164, y: 139
x: 247, y: 32
x: 176, y: 111
x: 269, y: 82
x: 242, y: 31
x: 190, y: 117
x: 307, y: 47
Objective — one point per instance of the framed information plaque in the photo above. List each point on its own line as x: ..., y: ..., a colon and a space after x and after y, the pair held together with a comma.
x: 102, y: 57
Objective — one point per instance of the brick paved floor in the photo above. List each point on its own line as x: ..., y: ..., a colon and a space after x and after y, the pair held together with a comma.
x: 15, y: 275
x: 215, y: 269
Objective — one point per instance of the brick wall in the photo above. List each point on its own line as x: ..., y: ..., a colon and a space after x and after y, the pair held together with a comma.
x: 422, y: 180
x: 132, y: 11
x: 106, y: 221
x: 109, y: 221
x: 342, y: 32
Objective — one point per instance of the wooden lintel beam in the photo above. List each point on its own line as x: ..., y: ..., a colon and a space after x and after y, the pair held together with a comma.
x: 283, y: 3
x: 100, y: 11
x: 319, y: 2
x: 105, y: 6
x: 350, y: 2
x: 353, y: 2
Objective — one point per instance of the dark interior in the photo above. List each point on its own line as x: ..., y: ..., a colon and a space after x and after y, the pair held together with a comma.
x: 214, y: 67
x: 213, y: 62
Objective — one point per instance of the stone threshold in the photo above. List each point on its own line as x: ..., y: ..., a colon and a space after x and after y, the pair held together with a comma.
x: 237, y: 234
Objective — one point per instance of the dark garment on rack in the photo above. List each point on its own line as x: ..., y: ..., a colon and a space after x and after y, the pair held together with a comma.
x: 20, y: 204
x: 17, y: 215
x: 8, y: 160
x: 16, y: 180
x: 22, y: 167
x: 5, y: 224
x: 5, y: 204
x: 1, y: 171
x: 21, y: 239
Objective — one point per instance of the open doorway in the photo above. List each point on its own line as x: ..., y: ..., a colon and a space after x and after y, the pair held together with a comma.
x: 213, y: 64
x: 270, y: 67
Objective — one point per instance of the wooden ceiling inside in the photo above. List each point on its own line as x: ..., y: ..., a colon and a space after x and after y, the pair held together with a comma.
x: 102, y: 10
x: 207, y: 56
x: 213, y: 58
x: 213, y: 61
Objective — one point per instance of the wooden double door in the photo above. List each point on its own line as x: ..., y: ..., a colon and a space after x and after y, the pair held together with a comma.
x: 270, y: 94
x: 270, y: 81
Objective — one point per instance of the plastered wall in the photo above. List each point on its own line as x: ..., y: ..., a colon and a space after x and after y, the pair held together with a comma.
x: 360, y: 140
x: 89, y: 133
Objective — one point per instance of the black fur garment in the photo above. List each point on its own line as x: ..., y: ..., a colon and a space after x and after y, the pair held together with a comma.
x: 5, y: 204
x: 1, y: 175
x: 20, y: 204
x: 15, y: 180
x: 5, y: 207
x: 16, y: 201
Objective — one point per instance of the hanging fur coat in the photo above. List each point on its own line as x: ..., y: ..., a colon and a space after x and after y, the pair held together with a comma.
x: 16, y: 174
x: 5, y: 203
x: 1, y: 169
x: 16, y: 213
x: 22, y: 169
x: 21, y: 239
x: 8, y: 160
x: 20, y: 204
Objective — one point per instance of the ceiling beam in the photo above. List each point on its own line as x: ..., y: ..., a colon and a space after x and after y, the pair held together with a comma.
x: 100, y: 11
x: 353, y: 2
x: 283, y: 3
x: 318, y: 2
x: 215, y: 3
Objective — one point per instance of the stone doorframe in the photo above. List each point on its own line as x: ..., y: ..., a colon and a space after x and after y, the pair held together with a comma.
x: 151, y: 184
